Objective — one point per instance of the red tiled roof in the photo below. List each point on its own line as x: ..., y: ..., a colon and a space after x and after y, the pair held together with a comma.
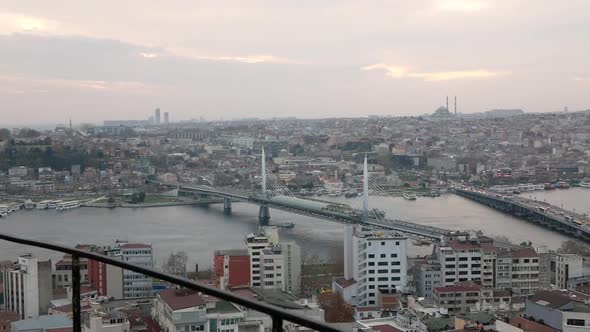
x: 385, y: 328
x: 345, y: 282
x: 135, y: 245
x: 528, y: 252
x: 181, y: 299
x: 63, y: 262
x: 529, y: 326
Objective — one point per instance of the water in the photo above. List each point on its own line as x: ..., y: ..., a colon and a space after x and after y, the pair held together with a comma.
x: 199, y: 231
x: 573, y: 199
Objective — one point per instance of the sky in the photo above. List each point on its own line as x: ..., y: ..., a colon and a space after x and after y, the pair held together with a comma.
x: 218, y: 59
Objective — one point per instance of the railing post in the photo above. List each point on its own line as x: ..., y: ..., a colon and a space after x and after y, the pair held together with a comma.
x: 76, y: 294
x: 277, y: 324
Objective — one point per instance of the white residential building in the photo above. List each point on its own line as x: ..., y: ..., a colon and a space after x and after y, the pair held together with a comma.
x: 182, y: 310
x: 376, y: 260
x: 136, y: 284
x: 27, y: 287
x: 272, y: 268
x: 461, y: 260
x: 114, y: 321
x: 256, y: 243
x: 292, y: 271
x: 426, y: 277
x: 567, y: 266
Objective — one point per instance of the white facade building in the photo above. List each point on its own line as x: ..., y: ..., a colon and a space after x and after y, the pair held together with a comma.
x: 106, y: 322
x: 136, y: 284
x: 567, y: 266
x: 376, y: 260
x: 292, y: 272
x: 272, y: 268
x: 256, y: 243
x: 28, y: 287
x: 461, y: 260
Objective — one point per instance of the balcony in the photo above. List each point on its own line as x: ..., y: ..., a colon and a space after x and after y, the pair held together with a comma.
x: 278, y: 316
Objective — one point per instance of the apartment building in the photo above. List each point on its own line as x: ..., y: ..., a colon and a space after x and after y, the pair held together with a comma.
x: 377, y: 260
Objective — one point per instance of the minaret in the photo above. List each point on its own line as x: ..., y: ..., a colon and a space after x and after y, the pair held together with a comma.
x: 455, y: 105
x: 263, y: 174
x: 365, y: 190
x: 447, y: 103
x: 70, y: 123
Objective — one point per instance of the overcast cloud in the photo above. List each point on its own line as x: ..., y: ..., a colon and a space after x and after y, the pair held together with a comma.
x: 306, y: 58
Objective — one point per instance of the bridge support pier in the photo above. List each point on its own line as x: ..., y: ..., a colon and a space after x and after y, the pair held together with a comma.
x: 264, y: 215
x: 227, y: 206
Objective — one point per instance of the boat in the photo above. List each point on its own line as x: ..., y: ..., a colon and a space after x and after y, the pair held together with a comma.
x: 68, y: 205
x: 434, y: 193
x: 287, y: 225
x: 53, y: 204
x: 562, y: 185
x: 409, y: 196
x: 548, y: 186
x: 29, y: 204
x: 43, y: 205
x: 585, y: 184
x: 334, y: 194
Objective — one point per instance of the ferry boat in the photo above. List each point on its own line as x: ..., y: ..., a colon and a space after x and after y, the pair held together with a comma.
x: 43, y: 205
x: 585, y: 184
x: 334, y: 194
x: 4, y: 210
x: 54, y: 204
x: 67, y: 205
x: 409, y: 196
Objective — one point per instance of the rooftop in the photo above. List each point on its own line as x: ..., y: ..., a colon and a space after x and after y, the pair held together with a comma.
x: 529, y: 326
x: 43, y: 322
x: 232, y: 252
x: 136, y: 246
x: 181, y: 298
x: 342, y: 282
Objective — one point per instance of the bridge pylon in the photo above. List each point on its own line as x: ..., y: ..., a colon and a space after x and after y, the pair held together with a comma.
x: 263, y: 215
x: 227, y: 206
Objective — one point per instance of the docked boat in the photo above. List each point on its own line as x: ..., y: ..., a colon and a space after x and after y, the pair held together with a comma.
x: 334, y: 194
x: 53, y: 204
x: 585, y: 184
x: 68, y: 205
x: 29, y: 204
x: 409, y: 196
x: 43, y: 205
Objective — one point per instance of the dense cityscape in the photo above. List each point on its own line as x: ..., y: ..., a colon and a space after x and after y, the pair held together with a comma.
x: 389, y: 273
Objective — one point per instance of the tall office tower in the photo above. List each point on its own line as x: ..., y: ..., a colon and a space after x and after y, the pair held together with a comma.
x: 167, y: 118
x: 157, y: 116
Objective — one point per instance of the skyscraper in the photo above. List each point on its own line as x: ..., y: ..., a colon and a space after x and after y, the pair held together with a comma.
x: 166, y: 118
x: 157, y: 117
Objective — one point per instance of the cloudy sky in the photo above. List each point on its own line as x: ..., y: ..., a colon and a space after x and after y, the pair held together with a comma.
x: 114, y: 59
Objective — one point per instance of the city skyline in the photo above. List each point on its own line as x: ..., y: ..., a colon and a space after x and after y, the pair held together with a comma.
x: 304, y: 59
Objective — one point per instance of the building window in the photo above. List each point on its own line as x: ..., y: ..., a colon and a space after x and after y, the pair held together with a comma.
x: 382, y: 243
x: 576, y: 322
x: 382, y: 263
x: 393, y: 255
x: 371, y: 255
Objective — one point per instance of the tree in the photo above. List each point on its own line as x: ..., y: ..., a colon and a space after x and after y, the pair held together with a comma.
x: 176, y: 263
x: 574, y: 247
x: 336, y: 310
x: 4, y: 134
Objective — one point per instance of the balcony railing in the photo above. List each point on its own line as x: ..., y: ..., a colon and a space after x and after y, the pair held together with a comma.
x: 278, y: 315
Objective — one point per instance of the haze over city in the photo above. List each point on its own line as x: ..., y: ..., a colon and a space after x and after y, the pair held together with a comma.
x: 308, y: 59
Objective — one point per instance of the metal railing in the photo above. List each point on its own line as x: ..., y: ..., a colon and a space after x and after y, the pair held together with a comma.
x: 278, y: 315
